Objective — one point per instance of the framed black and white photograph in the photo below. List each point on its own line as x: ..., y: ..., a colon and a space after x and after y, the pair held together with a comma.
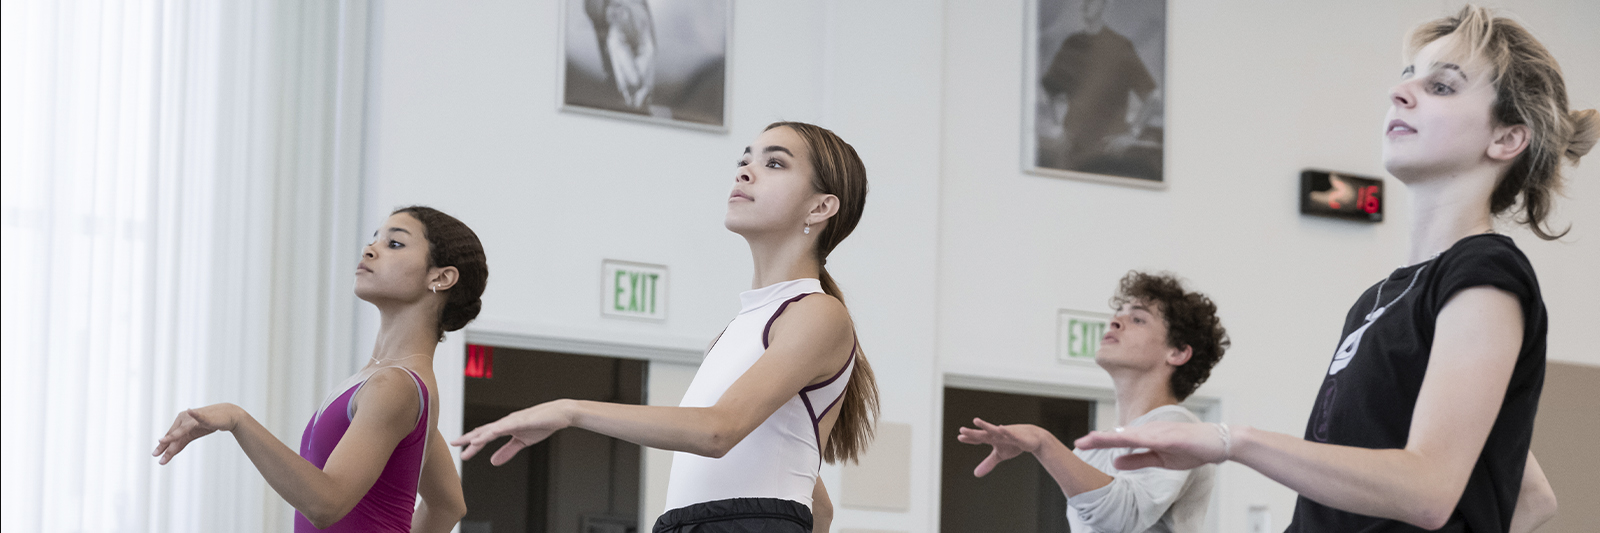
x: 1094, y: 80
x: 662, y: 61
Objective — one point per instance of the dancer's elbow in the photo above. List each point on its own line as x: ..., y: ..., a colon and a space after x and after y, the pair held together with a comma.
x: 453, y: 510
x: 1431, y: 515
x: 717, y: 443
x: 1541, y: 506
x: 720, y: 436
x: 326, y: 514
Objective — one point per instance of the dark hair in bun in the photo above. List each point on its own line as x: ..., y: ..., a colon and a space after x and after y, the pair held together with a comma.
x: 453, y: 244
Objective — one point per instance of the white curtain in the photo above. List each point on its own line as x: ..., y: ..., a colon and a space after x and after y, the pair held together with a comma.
x: 181, y: 188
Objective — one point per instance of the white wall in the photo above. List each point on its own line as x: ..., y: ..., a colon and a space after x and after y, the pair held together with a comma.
x: 961, y: 260
x: 1258, y: 90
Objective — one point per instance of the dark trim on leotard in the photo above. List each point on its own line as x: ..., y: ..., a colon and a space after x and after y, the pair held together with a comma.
x: 766, y: 331
x: 816, y: 419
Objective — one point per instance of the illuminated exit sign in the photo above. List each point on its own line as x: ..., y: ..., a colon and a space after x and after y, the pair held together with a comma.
x: 633, y: 290
x: 1078, y: 335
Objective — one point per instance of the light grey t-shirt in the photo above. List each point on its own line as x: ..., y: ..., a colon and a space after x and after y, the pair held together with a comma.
x: 1144, y: 500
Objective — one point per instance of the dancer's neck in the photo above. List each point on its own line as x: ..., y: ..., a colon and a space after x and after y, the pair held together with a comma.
x: 779, y: 260
x: 1448, y: 209
x: 1141, y: 392
x: 404, y: 332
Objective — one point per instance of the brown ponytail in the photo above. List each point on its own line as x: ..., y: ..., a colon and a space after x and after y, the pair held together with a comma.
x: 837, y: 170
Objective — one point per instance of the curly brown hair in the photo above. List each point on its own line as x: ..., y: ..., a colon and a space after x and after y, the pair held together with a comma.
x: 1191, y: 320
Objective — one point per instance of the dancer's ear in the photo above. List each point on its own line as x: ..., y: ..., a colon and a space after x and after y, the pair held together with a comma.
x: 823, y: 207
x: 1509, y: 142
x: 1178, y: 357
x: 442, y: 278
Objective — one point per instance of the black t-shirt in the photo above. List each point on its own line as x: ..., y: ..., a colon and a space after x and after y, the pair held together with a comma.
x: 1371, y: 388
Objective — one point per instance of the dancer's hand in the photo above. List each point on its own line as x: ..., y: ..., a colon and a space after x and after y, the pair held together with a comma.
x: 1008, y: 442
x: 193, y: 424
x: 1170, y: 445
x: 526, y: 428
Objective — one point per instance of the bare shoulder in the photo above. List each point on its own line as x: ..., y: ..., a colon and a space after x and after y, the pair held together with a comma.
x: 390, y: 394
x: 818, y: 313
x: 818, y: 321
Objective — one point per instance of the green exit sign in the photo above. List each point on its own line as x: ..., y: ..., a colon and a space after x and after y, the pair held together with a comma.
x: 1078, y: 335
x: 634, y: 290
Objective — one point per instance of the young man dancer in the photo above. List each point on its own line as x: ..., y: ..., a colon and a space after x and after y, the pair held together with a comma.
x: 1160, y: 346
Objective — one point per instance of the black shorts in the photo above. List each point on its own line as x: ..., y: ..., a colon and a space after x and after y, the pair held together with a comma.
x: 737, y: 515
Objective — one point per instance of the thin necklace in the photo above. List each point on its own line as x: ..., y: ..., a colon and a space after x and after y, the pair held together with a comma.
x: 375, y: 360
x: 1379, y: 298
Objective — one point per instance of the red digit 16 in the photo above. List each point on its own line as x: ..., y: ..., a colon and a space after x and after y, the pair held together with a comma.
x: 1368, y: 199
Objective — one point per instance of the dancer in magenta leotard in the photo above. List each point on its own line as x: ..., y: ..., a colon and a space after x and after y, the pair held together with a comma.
x: 373, y: 447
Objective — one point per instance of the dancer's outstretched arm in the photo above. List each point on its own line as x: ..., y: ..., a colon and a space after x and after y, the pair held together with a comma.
x: 440, y: 488
x: 809, y: 342
x: 1477, y: 337
x: 387, y: 410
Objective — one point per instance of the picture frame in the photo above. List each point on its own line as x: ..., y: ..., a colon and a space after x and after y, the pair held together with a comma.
x: 1093, y: 91
x: 656, y: 61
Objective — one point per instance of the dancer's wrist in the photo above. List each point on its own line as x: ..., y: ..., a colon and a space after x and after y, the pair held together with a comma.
x: 232, y: 416
x: 1243, y: 440
x: 1225, y: 444
x: 1045, y: 443
x: 569, y: 412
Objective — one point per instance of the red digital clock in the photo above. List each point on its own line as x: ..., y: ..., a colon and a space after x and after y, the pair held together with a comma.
x: 1340, y: 195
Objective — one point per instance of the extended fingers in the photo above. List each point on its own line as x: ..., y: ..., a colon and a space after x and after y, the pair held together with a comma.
x: 1106, y: 439
x: 476, y: 439
x: 474, y: 442
x: 467, y: 438
x: 172, y: 450
x: 993, y: 432
x: 470, y: 451
x: 988, y: 464
x: 172, y: 441
x: 505, y: 453
x: 1135, y: 461
x: 974, y: 436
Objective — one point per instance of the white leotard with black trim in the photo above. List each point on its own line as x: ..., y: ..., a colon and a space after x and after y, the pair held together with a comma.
x: 780, y: 458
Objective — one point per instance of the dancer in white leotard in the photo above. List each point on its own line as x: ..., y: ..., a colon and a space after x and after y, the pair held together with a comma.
x: 784, y: 387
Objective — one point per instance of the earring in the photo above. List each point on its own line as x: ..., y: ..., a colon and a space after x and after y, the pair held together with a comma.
x: 808, y: 229
x: 434, y: 288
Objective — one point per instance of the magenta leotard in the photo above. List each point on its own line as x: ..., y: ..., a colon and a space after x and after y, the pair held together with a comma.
x: 390, y: 502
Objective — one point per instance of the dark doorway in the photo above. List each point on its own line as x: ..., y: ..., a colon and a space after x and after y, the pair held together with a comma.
x: 576, y: 481
x: 1018, y: 496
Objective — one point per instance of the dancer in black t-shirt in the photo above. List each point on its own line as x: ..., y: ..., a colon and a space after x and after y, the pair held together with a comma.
x: 1426, y: 410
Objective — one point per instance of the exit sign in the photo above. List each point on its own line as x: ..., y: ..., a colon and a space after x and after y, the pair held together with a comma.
x: 1078, y: 335
x: 634, y: 290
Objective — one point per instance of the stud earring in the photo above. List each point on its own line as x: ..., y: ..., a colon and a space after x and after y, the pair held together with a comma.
x: 808, y: 229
